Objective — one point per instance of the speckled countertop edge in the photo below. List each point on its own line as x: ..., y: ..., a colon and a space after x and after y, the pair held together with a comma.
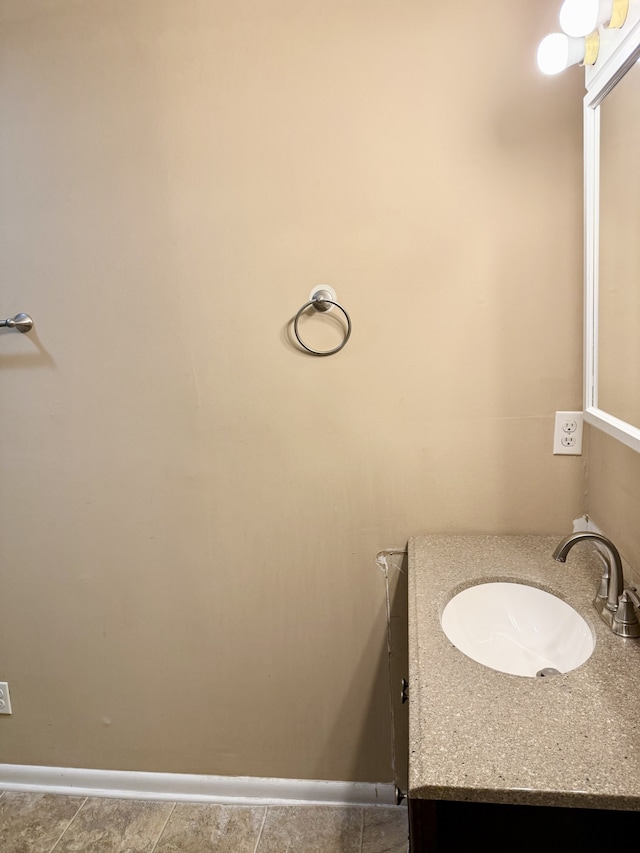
x: 480, y: 735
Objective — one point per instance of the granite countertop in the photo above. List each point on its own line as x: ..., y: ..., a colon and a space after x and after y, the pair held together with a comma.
x: 480, y: 735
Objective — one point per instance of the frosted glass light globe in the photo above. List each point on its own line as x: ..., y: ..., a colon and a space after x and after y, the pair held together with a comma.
x: 581, y: 17
x: 557, y: 52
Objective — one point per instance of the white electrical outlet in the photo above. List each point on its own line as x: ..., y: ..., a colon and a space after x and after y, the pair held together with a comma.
x: 5, y: 699
x: 567, y: 435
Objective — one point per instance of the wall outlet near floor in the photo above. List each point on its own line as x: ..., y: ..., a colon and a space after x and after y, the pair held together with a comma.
x: 5, y: 699
x: 567, y: 435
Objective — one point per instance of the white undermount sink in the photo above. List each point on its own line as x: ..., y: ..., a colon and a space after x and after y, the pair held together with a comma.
x: 518, y: 629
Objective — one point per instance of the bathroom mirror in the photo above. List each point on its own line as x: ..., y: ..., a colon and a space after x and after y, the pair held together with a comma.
x: 612, y: 244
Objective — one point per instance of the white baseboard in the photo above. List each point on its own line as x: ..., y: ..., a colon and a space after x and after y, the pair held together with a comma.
x: 184, y: 787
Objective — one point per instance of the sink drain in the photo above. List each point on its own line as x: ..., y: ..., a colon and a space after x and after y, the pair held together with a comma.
x: 548, y: 670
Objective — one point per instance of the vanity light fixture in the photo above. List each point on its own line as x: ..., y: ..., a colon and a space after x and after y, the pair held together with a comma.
x: 581, y: 17
x: 559, y: 51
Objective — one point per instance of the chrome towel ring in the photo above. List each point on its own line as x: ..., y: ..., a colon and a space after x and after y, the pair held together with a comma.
x: 322, y: 299
x: 21, y: 322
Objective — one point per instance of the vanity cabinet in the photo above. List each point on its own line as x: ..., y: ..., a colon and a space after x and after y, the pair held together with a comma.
x: 454, y: 827
x: 499, y: 761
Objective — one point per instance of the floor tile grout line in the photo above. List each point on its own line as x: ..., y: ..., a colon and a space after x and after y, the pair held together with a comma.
x: 264, y: 820
x: 80, y: 807
x: 164, y: 826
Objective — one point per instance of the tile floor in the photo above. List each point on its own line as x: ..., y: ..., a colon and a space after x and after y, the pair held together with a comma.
x: 47, y: 823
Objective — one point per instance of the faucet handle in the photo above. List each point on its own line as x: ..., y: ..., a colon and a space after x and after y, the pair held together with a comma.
x: 625, y: 620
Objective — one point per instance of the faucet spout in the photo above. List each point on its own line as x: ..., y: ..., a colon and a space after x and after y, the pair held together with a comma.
x: 616, y: 580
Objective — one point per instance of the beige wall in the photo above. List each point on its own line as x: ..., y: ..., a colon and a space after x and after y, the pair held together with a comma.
x: 191, y: 508
x: 613, y: 494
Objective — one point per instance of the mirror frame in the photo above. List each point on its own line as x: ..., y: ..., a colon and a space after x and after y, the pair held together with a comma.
x: 619, y: 50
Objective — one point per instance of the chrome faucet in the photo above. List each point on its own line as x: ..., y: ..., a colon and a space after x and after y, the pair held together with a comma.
x: 621, y: 619
x: 612, y: 583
